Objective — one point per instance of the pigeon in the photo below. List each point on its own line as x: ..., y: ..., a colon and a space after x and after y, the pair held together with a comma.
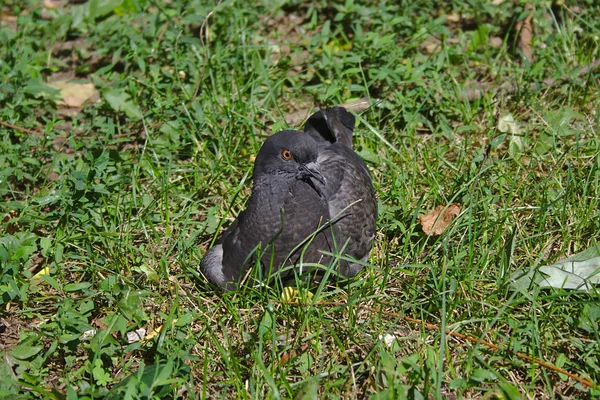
x: 312, y: 197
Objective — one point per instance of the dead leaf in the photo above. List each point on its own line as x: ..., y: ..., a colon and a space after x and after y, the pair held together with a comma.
x: 526, y: 34
x: 295, y: 118
x: 436, y: 221
x: 285, y: 357
x: 496, y: 42
x: 136, y: 335
x: 8, y: 19
x: 431, y: 45
x: 74, y: 94
x: 52, y: 3
x: 507, y: 124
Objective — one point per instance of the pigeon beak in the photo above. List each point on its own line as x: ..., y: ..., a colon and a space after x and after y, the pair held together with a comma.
x: 311, y: 170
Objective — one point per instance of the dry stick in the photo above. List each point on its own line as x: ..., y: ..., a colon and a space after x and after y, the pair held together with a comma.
x: 162, y: 33
x: 18, y: 128
x: 478, y: 90
x: 433, y: 327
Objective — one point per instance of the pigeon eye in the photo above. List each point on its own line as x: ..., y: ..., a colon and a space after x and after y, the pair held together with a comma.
x: 286, y: 154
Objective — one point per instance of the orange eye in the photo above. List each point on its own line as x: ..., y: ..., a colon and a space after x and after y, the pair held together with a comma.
x: 286, y: 154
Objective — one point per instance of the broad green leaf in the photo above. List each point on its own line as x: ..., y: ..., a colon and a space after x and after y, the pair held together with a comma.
x: 580, y: 271
x: 308, y: 391
x: 482, y: 375
x: 24, y: 351
x: 74, y: 287
x: 119, y: 101
x: 129, y: 7
x: 100, y: 375
x: 266, y: 324
x: 509, y: 391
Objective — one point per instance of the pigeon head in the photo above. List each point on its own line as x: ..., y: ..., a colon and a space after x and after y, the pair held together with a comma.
x: 289, y: 155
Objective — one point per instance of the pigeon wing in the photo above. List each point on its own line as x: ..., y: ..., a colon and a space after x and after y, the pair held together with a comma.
x: 351, y: 200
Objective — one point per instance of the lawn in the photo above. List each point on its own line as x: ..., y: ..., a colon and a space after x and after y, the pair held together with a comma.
x: 128, y: 130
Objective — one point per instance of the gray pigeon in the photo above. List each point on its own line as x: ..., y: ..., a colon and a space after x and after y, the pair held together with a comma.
x: 312, y: 195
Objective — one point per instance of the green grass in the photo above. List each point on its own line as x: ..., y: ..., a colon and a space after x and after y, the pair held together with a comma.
x: 108, y: 208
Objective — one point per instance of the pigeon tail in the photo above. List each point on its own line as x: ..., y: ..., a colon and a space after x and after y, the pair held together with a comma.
x: 331, y: 125
x: 212, y: 266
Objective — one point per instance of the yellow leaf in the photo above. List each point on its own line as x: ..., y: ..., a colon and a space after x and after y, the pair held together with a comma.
x: 151, y: 335
x: 291, y: 294
x: 43, y: 271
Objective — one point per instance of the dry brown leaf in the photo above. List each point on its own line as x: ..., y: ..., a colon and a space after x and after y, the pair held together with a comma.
x: 436, y: 221
x: 8, y: 19
x: 74, y: 94
x: 526, y: 34
x: 431, y: 45
x: 295, y: 118
x: 496, y: 42
x: 285, y: 357
x: 52, y: 3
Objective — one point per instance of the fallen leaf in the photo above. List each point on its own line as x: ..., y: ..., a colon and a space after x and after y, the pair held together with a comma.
x: 526, y: 34
x: 119, y: 100
x: 52, y: 3
x: 136, y: 335
x: 579, y: 272
x: 90, y: 333
x: 73, y: 94
x: 436, y: 221
x: 285, y: 357
x: 295, y: 118
x: 453, y: 16
x: 496, y: 42
x: 292, y: 294
x: 155, y: 332
x: 388, y: 339
x: 516, y: 145
x: 43, y: 271
x: 507, y: 124
x: 8, y: 17
x: 9, y: 20
x: 431, y: 45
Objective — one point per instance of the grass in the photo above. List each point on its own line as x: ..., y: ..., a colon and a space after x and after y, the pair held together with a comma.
x: 108, y: 207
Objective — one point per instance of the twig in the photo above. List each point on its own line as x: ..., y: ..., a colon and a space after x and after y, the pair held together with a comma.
x: 162, y: 33
x: 18, y: 128
x: 478, y: 90
x: 433, y: 327
x: 472, y: 339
